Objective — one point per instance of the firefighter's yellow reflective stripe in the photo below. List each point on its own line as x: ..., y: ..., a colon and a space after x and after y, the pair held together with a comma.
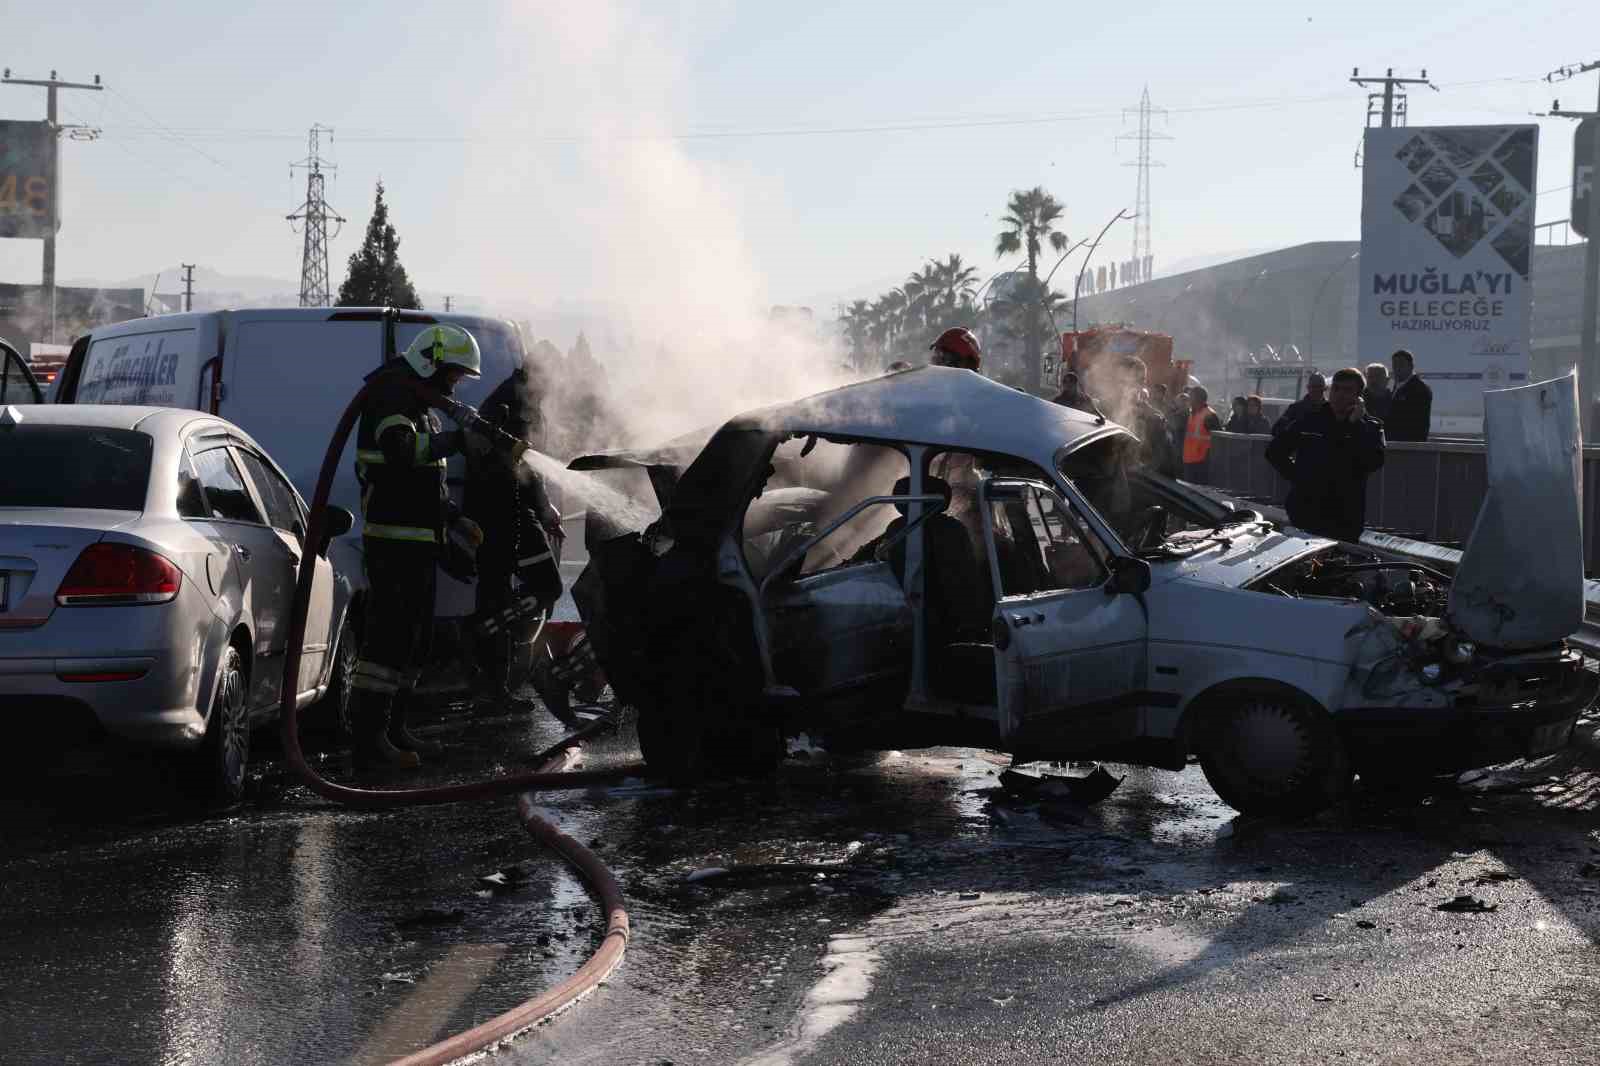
x: 369, y: 455
x: 413, y: 533
x: 392, y: 421
x: 419, y: 451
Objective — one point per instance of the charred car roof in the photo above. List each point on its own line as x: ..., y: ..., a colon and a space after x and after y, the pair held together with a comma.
x: 938, y: 406
x: 934, y: 406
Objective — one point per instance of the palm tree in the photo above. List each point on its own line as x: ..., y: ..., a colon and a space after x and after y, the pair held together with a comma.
x: 857, y: 322
x: 1030, y: 218
x: 954, y: 286
x: 921, y: 290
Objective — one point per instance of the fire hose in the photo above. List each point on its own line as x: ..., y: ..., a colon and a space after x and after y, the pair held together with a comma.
x: 614, y: 943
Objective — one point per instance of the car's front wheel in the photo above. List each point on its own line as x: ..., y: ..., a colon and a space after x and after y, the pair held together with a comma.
x: 217, y: 768
x: 1268, y: 750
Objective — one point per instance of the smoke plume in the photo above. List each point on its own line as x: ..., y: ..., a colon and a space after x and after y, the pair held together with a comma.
x: 645, y: 230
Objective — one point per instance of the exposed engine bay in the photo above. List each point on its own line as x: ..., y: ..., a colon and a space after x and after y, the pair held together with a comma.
x: 1395, y: 588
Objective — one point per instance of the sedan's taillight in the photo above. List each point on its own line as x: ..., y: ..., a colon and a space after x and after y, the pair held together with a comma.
x: 107, y: 574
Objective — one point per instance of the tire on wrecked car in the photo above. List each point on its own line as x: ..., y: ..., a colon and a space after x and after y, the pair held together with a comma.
x: 1268, y: 749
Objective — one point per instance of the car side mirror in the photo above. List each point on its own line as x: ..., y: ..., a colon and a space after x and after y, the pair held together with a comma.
x: 1128, y: 575
x: 336, y: 524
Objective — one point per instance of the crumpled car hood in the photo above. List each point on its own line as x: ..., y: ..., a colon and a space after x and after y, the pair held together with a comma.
x: 1520, y: 582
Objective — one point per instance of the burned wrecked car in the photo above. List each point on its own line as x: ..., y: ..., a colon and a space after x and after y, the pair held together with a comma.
x: 930, y: 557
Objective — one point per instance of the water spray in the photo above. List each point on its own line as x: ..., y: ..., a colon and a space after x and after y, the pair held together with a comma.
x: 550, y: 777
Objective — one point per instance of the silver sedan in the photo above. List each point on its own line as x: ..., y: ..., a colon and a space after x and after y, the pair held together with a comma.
x: 148, y: 559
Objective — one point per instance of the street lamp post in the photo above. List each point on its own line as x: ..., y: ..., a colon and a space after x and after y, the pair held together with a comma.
x: 1077, y: 287
x: 1311, y: 326
x: 1063, y: 259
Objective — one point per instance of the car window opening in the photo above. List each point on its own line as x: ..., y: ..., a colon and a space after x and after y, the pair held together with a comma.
x: 813, y: 482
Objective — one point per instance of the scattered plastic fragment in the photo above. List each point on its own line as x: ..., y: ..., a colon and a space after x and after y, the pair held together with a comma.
x: 1466, y: 905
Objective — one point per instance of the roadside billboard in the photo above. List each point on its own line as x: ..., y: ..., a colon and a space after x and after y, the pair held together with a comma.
x: 1447, y: 216
x: 27, y: 179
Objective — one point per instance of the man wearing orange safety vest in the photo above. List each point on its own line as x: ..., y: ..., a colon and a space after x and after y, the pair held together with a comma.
x: 1197, y: 440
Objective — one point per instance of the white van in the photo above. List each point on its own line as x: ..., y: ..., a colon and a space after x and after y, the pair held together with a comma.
x: 285, y: 375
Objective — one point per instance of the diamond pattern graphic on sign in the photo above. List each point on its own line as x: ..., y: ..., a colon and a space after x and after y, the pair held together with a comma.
x: 1472, y: 186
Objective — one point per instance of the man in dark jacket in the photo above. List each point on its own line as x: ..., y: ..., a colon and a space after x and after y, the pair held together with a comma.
x: 1378, y: 396
x: 1072, y: 394
x: 1315, y: 397
x: 1254, y: 420
x: 1326, y: 455
x: 519, y: 574
x: 1411, y: 408
x: 1145, y: 419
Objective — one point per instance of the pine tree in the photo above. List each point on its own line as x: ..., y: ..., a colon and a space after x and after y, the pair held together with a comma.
x: 376, y: 278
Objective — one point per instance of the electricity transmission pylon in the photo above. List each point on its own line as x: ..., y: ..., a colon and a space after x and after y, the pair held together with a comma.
x: 315, y: 213
x: 1143, y: 258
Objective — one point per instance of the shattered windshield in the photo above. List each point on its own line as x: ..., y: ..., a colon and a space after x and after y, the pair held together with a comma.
x: 1125, y: 493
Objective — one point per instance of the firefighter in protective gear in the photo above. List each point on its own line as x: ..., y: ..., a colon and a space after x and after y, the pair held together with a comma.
x: 401, y: 448
x: 957, y: 347
x: 519, y: 573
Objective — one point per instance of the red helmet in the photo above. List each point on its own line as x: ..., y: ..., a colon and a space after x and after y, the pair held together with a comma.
x: 957, y: 347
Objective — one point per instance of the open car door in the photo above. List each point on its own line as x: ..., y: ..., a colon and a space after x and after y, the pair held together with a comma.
x: 1070, y: 645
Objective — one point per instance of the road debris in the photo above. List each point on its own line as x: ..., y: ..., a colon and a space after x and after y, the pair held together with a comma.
x: 506, y: 880
x: 1086, y: 790
x: 1467, y: 905
x: 431, y: 916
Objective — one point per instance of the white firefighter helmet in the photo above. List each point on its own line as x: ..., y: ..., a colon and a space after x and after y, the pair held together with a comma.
x: 441, y: 346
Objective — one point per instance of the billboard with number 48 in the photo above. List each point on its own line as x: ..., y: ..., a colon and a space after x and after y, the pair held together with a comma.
x: 27, y: 179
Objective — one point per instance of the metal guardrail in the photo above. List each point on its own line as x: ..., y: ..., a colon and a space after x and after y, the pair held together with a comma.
x: 1426, y: 491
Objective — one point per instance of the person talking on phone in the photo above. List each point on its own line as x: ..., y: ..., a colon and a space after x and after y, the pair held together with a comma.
x: 1326, y: 454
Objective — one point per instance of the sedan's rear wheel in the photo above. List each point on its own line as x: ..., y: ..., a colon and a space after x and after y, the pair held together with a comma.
x: 217, y: 769
x: 1270, y: 751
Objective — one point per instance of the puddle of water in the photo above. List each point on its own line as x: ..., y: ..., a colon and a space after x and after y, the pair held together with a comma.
x: 851, y: 962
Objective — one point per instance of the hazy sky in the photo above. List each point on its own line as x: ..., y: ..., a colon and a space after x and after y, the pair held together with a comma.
x: 535, y: 154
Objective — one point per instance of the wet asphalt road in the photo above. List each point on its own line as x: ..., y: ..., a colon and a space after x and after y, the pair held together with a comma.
x: 957, y: 925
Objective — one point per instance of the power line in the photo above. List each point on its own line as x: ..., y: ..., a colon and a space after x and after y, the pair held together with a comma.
x: 168, y: 133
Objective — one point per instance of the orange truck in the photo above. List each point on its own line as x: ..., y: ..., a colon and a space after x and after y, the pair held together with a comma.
x: 1091, y: 352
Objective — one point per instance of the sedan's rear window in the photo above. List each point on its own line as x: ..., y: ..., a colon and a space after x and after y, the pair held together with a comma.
x: 74, y: 466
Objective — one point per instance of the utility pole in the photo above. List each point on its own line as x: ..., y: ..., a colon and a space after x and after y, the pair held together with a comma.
x: 50, y: 85
x: 1589, y: 374
x: 315, y: 213
x: 449, y: 301
x: 188, y: 286
x: 1143, y: 258
x: 1391, y: 102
